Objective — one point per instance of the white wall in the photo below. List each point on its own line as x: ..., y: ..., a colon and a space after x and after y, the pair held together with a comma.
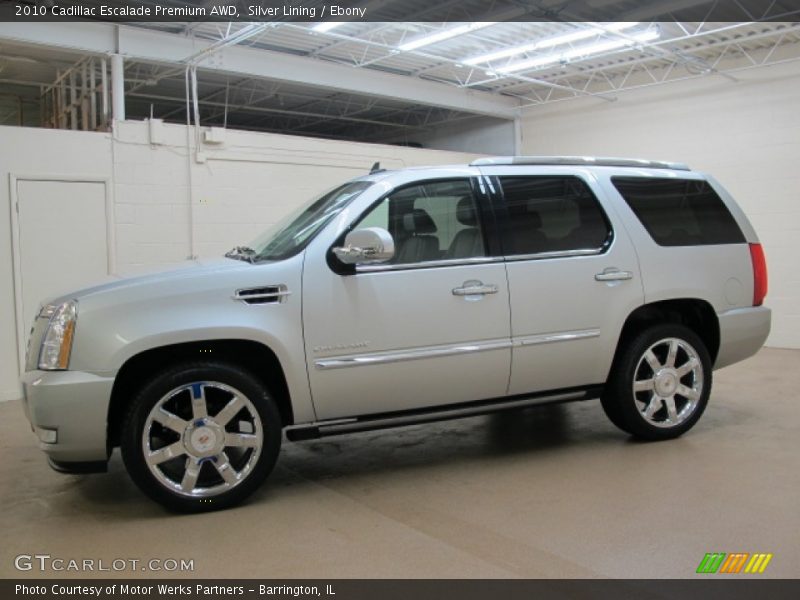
x: 747, y: 134
x: 240, y: 187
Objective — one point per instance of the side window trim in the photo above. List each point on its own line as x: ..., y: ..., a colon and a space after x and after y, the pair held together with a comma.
x: 480, y: 202
x: 504, y: 221
x: 431, y: 264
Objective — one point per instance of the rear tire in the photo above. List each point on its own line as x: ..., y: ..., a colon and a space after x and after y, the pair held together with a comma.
x: 660, y: 383
x: 201, y: 436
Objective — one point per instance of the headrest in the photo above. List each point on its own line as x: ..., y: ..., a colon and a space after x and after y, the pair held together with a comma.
x: 419, y: 222
x: 528, y: 219
x: 532, y: 219
x: 465, y: 212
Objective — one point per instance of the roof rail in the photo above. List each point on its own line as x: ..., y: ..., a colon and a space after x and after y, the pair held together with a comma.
x: 597, y: 161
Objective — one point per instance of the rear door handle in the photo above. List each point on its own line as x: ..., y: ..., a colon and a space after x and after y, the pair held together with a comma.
x: 612, y: 274
x: 475, y: 288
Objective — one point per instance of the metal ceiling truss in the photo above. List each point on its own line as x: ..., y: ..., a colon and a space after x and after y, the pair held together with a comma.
x: 670, y: 59
x: 234, y: 89
x: 606, y: 81
x: 545, y: 85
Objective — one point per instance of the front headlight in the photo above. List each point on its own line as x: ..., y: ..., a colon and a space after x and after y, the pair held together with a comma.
x: 57, y: 342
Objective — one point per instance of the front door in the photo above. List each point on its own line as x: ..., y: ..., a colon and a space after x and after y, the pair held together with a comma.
x: 429, y: 328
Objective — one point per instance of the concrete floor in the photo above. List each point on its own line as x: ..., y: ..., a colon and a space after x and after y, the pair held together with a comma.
x: 551, y: 492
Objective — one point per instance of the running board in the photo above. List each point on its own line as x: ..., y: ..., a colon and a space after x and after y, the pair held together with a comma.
x: 319, y: 429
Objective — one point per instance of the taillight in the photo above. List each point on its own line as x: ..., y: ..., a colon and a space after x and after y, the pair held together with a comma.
x: 759, y: 274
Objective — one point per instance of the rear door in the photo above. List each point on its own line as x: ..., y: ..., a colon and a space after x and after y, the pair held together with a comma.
x: 573, y: 277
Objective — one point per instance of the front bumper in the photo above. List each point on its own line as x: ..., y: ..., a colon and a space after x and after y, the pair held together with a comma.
x: 742, y: 333
x: 74, y: 404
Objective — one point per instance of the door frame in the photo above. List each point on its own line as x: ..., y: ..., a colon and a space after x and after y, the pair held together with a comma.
x: 13, y: 180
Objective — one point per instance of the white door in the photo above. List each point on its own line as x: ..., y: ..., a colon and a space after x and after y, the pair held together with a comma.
x: 62, y: 241
x: 430, y: 329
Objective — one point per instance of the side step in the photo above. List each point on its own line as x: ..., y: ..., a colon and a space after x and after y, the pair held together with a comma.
x: 319, y: 429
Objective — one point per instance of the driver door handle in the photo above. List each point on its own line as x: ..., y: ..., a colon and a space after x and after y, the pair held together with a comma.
x: 612, y: 274
x: 475, y: 288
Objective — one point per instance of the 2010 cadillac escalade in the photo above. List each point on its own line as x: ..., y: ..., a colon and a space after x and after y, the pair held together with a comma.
x: 403, y: 297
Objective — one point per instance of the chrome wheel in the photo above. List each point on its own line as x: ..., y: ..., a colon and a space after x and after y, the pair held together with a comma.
x: 202, y: 439
x: 668, y: 382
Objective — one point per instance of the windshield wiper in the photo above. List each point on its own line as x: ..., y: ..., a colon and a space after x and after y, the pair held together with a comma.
x: 242, y: 253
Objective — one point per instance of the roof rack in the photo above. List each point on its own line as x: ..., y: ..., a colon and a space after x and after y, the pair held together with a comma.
x: 597, y: 161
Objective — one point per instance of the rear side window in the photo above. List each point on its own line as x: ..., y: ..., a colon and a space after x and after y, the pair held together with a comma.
x: 552, y: 214
x: 679, y: 212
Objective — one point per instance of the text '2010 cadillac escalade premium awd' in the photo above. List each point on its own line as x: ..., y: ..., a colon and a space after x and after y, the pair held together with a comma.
x: 403, y: 297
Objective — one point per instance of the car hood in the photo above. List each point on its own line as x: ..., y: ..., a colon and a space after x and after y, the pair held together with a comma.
x: 192, y: 269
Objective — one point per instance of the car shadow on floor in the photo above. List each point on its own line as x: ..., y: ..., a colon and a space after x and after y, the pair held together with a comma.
x: 532, y: 433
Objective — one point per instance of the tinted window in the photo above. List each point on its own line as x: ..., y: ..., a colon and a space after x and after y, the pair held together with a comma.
x: 552, y: 214
x: 430, y: 221
x: 679, y: 212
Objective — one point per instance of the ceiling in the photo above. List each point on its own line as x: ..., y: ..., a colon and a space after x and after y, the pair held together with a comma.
x: 605, y: 62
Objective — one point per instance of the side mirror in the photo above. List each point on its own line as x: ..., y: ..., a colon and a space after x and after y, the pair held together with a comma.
x: 368, y: 245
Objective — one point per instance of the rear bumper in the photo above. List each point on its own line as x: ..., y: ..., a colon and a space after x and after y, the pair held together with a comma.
x: 68, y: 411
x: 742, y: 333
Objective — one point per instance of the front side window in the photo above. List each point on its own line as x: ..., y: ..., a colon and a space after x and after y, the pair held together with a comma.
x: 294, y: 233
x: 679, y: 212
x: 429, y: 222
x: 552, y: 214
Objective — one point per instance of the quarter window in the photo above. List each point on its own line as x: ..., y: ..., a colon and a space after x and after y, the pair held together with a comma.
x: 430, y: 221
x: 679, y: 212
x: 552, y: 214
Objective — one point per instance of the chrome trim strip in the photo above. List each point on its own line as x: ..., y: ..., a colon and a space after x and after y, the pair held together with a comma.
x: 452, y: 262
x: 557, y: 254
x: 458, y: 262
x: 357, y: 360
x: 549, y: 338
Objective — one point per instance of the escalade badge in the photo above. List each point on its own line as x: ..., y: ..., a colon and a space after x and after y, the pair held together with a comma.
x: 334, y: 347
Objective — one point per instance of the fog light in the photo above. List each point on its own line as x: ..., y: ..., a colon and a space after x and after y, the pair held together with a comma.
x: 47, y: 436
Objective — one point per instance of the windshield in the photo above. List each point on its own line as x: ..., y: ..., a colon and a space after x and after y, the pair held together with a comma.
x: 293, y: 233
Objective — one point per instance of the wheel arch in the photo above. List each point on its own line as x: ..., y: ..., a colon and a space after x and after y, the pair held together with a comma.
x: 256, y: 357
x: 694, y: 313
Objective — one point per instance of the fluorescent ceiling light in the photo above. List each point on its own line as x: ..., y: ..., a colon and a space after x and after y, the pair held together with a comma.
x: 566, y: 38
x: 580, y: 52
x: 326, y: 26
x: 442, y: 35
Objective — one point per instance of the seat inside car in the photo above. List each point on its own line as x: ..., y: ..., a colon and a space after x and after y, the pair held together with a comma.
x: 467, y: 242
x: 420, y: 243
x: 526, y: 231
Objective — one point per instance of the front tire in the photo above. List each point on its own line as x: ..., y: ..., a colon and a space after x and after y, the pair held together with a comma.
x: 660, y: 383
x: 201, y: 436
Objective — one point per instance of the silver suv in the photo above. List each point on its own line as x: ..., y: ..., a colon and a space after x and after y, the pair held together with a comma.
x: 404, y: 297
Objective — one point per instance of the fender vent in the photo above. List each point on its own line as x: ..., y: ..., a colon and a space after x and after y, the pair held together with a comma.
x: 270, y: 294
